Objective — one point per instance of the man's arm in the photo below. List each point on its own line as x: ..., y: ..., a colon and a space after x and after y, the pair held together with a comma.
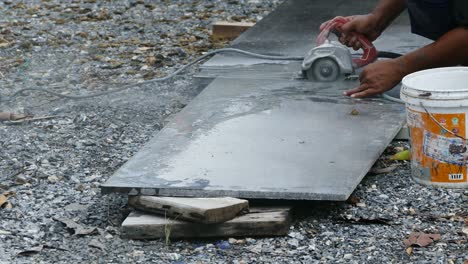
x: 387, y: 10
x: 449, y: 50
x: 372, y: 24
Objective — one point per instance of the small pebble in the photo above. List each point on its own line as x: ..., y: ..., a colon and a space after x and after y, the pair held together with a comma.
x: 53, y: 179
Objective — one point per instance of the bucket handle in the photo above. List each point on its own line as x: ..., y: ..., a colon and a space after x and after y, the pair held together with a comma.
x: 439, y: 124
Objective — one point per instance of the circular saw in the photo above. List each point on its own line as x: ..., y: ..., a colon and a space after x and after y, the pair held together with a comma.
x: 330, y: 59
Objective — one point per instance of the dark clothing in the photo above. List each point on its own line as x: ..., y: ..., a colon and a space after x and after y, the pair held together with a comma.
x: 434, y: 18
x: 460, y: 12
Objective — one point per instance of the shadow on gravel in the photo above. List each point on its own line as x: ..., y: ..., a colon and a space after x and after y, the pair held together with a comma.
x: 302, y: 210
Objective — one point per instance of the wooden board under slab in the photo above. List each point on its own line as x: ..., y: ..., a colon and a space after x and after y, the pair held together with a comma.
x: 200, y: 210
x: 229, y: 30
x: 271, y: 221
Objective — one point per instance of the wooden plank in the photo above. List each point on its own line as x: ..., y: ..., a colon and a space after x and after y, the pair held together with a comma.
x: 259, y: 222
x: 200, y: 210
x: 229, y: 30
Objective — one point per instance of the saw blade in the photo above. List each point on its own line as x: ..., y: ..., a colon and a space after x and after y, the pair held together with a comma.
x: 324, y: 70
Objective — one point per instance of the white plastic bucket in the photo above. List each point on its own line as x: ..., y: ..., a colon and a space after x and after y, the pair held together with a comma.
x: 437, y: 111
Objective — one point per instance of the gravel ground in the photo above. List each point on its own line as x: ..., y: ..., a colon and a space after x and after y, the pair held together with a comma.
x: 51, y: 168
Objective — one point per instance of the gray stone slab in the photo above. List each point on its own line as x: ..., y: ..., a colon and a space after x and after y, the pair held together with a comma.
x: 258, y: 132
x: 276, y: 139
x: 292, y: 28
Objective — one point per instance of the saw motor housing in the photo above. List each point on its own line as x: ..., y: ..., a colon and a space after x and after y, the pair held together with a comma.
x: 327, y: 62
x: 330, y: 59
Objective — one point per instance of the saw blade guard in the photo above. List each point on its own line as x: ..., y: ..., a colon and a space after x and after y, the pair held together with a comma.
x: 327, y: 62
x: 369, y: 51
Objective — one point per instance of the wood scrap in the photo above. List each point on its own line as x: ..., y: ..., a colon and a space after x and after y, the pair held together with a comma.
x: 229, y: 30
x: 31, y: 251
x: 3, y: 200
x: 383, y: 170
x: 200, y: 210
x: 7, y: 116
x: 272, y: 221
x: 465, y: 228
x: 29, y: 119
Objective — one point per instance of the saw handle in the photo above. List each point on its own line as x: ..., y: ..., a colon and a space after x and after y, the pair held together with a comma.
x: 369, y: 51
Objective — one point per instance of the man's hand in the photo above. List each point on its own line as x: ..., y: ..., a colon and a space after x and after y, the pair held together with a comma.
x: 366, y: 25
x: 372, y: 24
x: 381, y: 76
x: 377, y: 78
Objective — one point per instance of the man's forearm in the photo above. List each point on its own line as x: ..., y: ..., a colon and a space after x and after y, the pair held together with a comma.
x: 387, y: 10
x: 449, y: 50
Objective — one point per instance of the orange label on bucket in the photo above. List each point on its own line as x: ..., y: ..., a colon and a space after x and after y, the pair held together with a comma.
x: 438, y: 155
